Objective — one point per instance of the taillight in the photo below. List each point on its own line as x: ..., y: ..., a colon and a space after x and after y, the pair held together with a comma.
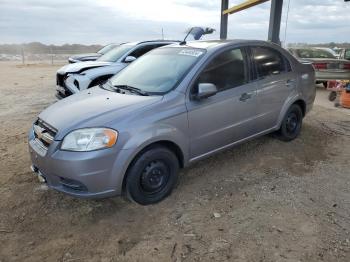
x: 346, y: 66
x: 319, y: 66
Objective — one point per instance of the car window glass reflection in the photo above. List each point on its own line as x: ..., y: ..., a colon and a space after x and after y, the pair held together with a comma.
x: 268, y: 61
x: 227, y: 70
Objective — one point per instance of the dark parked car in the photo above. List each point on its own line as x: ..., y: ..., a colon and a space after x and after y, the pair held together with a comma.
x: 91, y: 56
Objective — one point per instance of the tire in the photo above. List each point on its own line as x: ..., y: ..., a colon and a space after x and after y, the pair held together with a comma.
x: 152, y: 176
x: 291, y: 124
x: 332, y: 96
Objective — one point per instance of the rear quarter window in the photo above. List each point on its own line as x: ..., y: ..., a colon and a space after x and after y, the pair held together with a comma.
x: 269, y: 62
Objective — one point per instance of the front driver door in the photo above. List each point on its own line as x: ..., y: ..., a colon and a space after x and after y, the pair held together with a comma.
x: 222, y: 119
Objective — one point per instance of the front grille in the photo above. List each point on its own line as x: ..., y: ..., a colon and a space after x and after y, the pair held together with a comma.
x: 38, y: 146
x: 44, y: 133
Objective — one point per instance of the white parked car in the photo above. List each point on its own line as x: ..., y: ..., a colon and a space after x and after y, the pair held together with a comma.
x: 72, y: 78
x: 91, y: 56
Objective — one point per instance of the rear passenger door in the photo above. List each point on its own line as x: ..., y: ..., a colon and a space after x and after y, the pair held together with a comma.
x: 275, y: 83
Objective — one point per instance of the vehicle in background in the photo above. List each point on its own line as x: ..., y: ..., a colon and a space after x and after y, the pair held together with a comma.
x: 345, y: 54
x: 91, y: 56
x: 73, y: 78
x: 330, y: 50
x: 171, y: 107
x: 326, y: 65
x: 337, y: 51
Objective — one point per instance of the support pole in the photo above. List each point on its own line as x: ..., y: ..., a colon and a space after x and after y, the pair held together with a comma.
x: 22, y: 53
x: 224, y: 18
x: 275, y: 21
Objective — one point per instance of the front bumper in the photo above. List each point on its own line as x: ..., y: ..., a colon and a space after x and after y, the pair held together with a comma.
x: 62, y: 92
x: 72, y: 84
x: 95, y: 174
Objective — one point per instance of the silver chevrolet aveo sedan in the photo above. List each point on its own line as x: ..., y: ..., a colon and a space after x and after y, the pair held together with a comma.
x: 174, y: 106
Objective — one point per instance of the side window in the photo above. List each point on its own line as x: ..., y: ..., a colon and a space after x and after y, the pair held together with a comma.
x: 227, y: 70
x: 269, y: 62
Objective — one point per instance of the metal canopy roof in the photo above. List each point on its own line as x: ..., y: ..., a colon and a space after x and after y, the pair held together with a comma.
x: 275, y: 17
x: 243, y: 6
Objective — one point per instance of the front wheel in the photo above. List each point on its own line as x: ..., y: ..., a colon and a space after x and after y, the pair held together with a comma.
x: 291, y: 124
x: 152, y: 176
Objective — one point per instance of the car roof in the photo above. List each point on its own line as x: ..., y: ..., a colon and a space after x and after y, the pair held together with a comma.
x: 215, y: 44
x: 152, y: 41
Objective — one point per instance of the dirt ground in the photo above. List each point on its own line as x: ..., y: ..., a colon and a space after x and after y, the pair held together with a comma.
x: 265, y: 200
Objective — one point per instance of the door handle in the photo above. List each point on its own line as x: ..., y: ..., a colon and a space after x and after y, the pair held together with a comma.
x: 245, y: 96
x: 290, y: 83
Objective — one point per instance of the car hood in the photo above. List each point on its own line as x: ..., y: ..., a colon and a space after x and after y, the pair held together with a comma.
x: 81, y: 66
x: 93, y: 108
x: 81, y: 56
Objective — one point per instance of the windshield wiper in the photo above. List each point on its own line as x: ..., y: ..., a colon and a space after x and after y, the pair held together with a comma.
x: 131, y: 89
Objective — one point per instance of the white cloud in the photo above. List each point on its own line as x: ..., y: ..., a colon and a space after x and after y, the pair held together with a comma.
x: 103, y: 21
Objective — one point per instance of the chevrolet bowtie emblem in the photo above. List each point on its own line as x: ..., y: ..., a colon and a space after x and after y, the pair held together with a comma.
x: 42, y: 134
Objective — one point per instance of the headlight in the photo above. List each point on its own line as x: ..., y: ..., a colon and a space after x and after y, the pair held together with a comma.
x: 89, y: 139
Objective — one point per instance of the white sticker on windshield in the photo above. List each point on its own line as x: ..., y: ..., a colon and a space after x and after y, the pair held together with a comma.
x: 190, y: 52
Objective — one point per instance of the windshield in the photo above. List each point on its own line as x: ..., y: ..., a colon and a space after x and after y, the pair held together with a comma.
x: 158, y: 71
x: 329, y: 50
x: 107, y: 48
x: 314, y: 53
x: 116, y: 53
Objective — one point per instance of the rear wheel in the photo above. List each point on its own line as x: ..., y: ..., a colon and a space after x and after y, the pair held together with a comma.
x: 291, y: 124
x: 152, y: 176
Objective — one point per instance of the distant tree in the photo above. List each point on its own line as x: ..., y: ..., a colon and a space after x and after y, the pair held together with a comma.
x: 332, y: 44
x: 39, y: 48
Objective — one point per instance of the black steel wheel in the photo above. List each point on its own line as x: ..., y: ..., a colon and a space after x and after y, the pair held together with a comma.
x: 152, y: 176
x: 291, y: 124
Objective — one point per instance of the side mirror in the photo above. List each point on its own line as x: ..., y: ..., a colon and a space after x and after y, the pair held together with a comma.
x: 130, y: 59
x: 206, y: 90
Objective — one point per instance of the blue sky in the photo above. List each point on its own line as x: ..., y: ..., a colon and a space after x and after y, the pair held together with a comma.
x: 105, y: 21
